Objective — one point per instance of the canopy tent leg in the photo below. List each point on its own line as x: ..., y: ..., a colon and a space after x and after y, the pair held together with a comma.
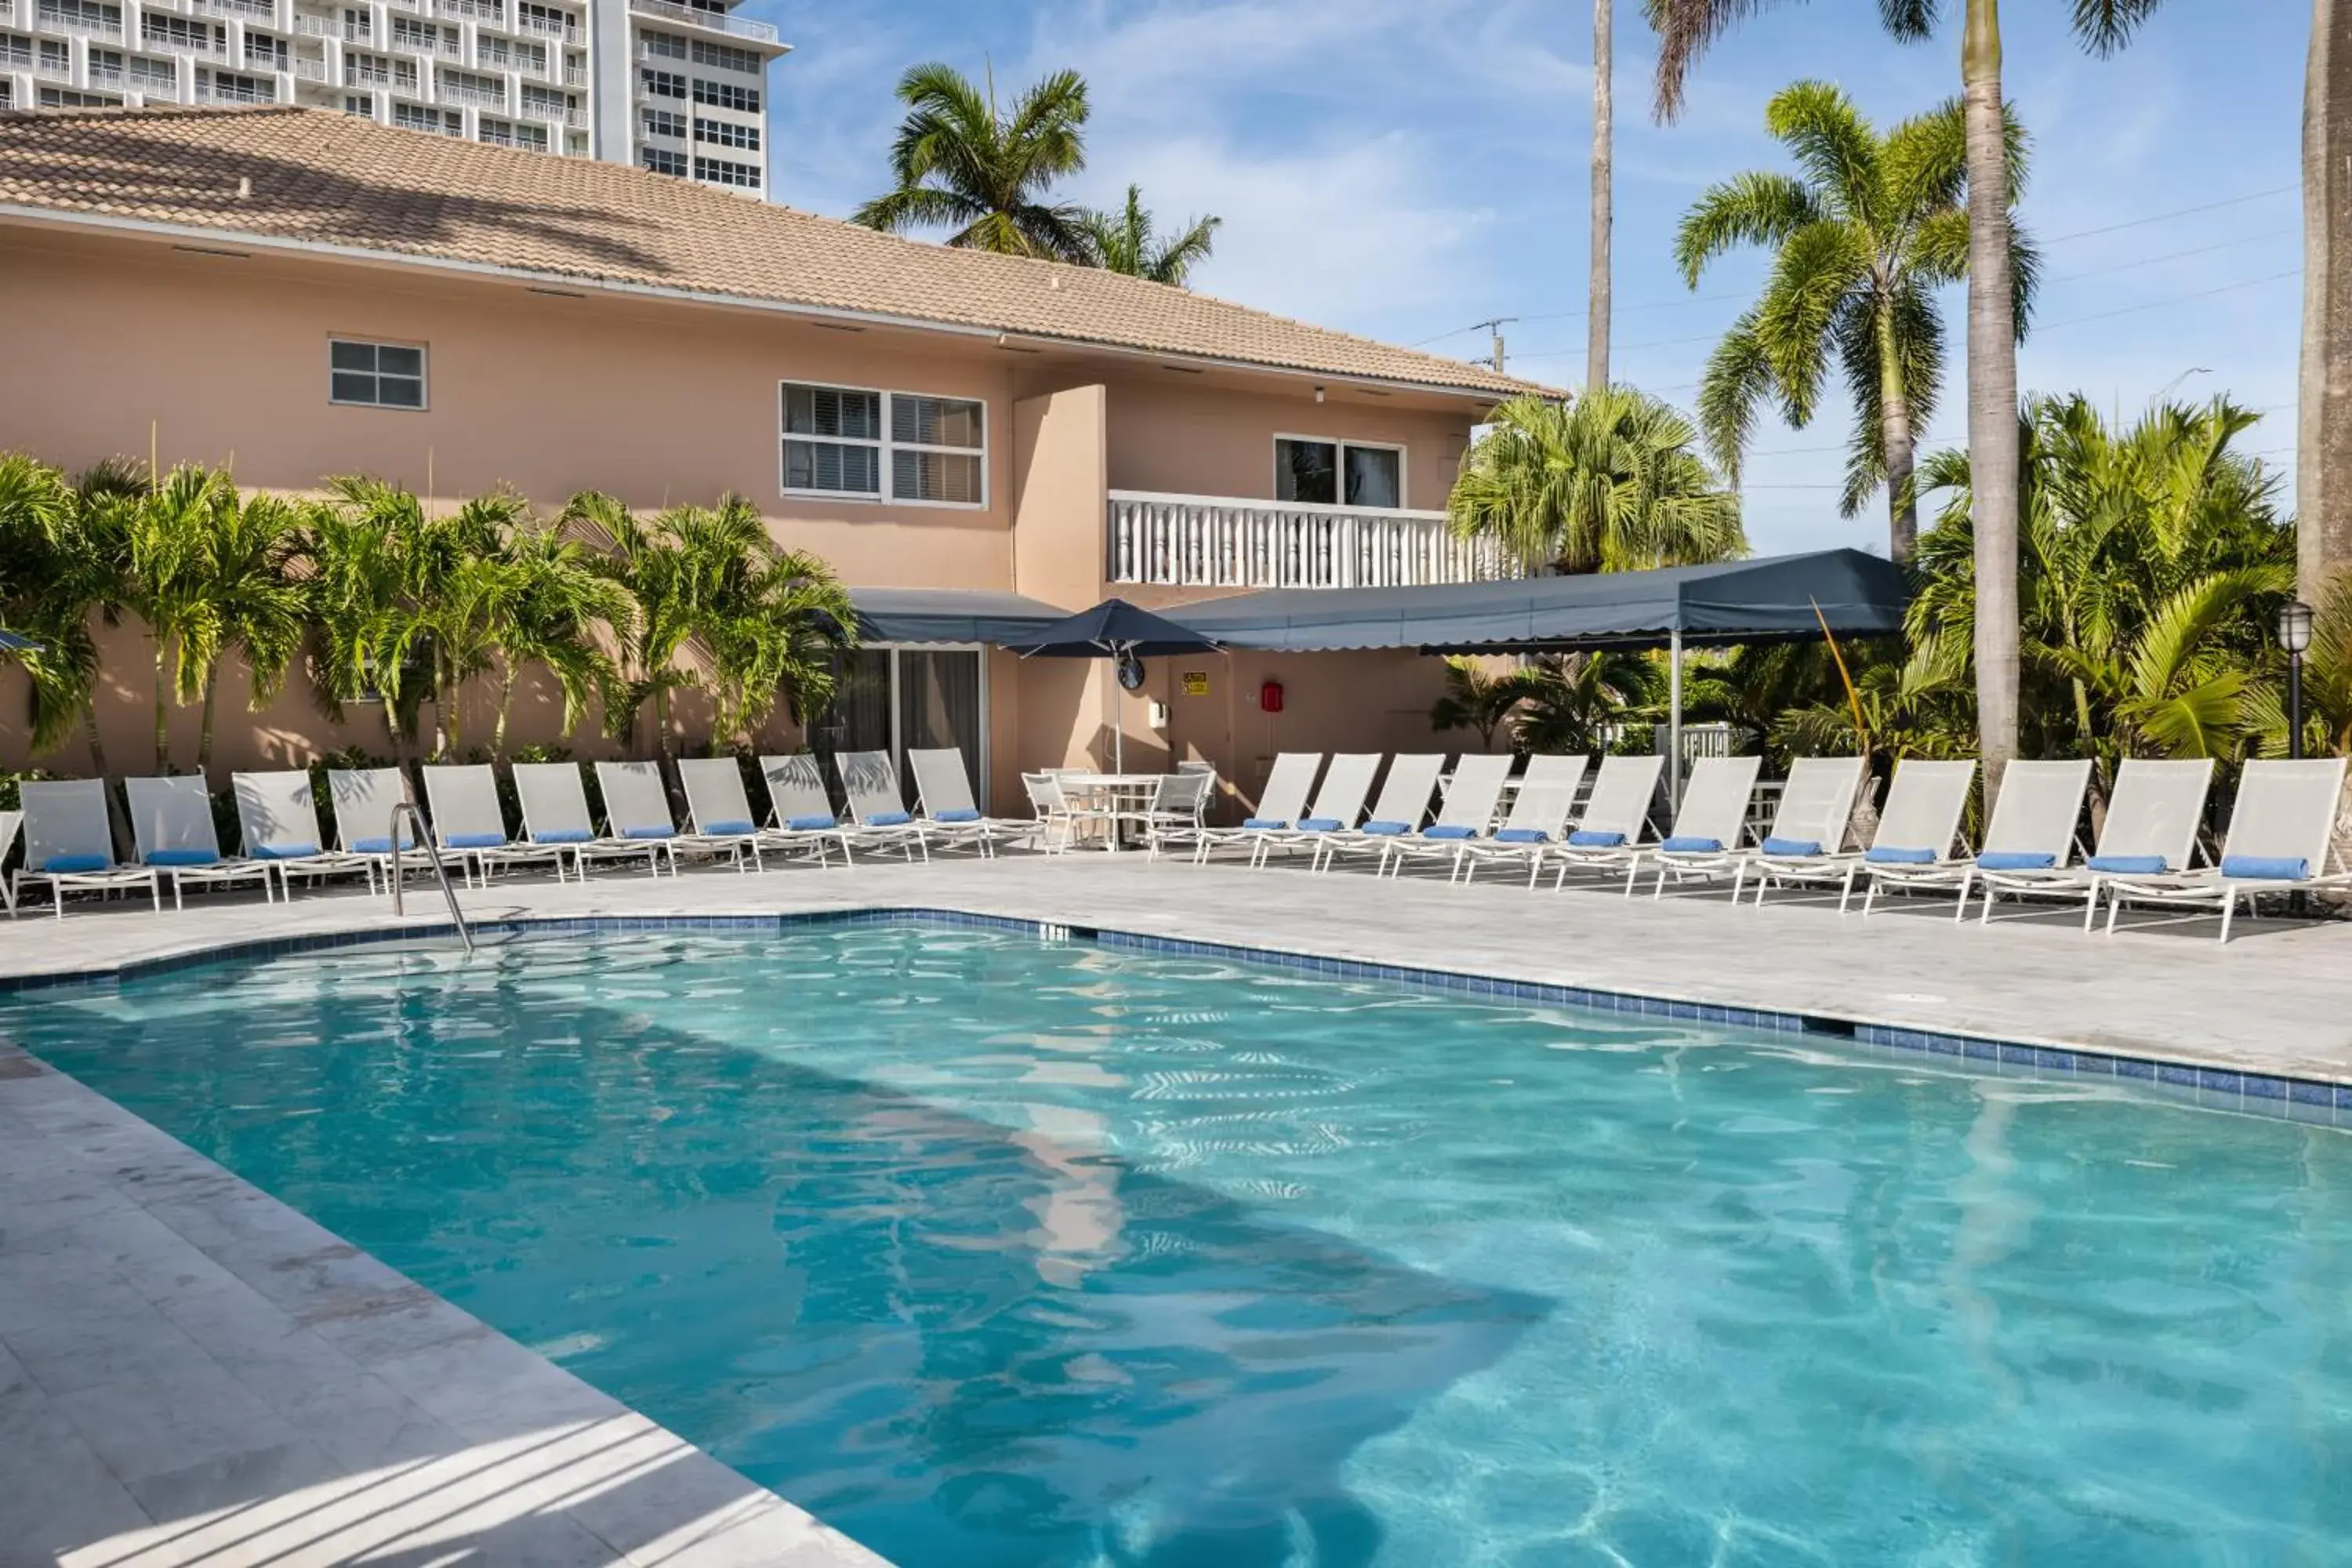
x: 1674, y: 716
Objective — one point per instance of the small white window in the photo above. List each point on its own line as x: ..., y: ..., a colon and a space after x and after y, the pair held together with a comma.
x: 1322, y: 472
x: 848, y: 441
x: 833, y: 441
x: 375, y: 375
x: 935, y: 449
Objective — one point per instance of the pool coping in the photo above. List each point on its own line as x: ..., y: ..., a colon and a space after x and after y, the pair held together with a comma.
x: 2310, y: 1100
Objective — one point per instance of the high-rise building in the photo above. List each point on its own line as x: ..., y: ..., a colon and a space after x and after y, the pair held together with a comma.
x: 680, y: 89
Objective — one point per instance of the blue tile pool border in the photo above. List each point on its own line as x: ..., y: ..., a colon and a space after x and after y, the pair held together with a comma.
x: 2278, y: 1096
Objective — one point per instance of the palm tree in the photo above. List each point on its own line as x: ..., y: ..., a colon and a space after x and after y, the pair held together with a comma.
x: 2326, y: 685
x: 1862, y: 237
x: 557, y: 605
x: 2324, y: 450
x: 367, y: 556
x: 1124, y: 241
x: 1581, y: 701
x: 168, y: 535
x: 1685, y: 28
x: 1478, y: 698
x: 959, y: 164
x: 1608, y: 483
x: 463, y: 592
x: 1596, y: 322
x: 260, y: 608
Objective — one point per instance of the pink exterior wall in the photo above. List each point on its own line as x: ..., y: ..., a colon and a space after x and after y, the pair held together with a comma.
x: 223, y: 361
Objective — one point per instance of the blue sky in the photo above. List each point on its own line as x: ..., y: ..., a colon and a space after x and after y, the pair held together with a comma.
x: 1404, y: 167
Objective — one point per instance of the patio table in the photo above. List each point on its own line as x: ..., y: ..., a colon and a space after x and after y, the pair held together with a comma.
x: 1113, y: 793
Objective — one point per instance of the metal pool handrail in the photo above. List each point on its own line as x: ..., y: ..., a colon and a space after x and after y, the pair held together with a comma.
x: 433, y: 857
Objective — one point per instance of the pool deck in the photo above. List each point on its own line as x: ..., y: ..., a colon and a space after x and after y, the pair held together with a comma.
x: 191, y: 1373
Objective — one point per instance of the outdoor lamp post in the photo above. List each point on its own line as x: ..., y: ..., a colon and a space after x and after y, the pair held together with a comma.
x: 2295, y: 637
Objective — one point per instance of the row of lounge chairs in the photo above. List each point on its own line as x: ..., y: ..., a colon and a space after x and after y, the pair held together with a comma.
x: 2279, y: 838
x: 70, y: 843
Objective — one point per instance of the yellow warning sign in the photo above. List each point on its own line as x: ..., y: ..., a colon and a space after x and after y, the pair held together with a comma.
x: 1196, y: 683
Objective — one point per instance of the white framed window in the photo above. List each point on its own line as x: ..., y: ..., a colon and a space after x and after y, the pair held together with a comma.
x: 665, y: 122
x: 727, y: 134
x: 662, y: 161
x: 724, y: 172
x: 375, y: 375
x: 1322, y: 470
x: 727, y: 57
x: 663, y: 84
x: 904, y: 446
x: 668, y: 46
x: 726, y: 95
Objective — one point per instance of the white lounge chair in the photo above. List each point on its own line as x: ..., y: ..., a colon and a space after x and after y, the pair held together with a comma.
x: 1538, y: 816
x: 2282, y: 839
x: 2151, y: 829
x: 10, y: 821
x: 877, y: 803
x: 1918, y: 833
x: 469, y: 824
x: 1279, y: 806
x: 949, y: 811
x: 70, y: 843
x: 1339, y: 805
x: 555, y: 814
x: 1472, y: 798
x: 720, y: 807
x: 2029, y: 844
x: 172, y: 832
x: 364, y: 801
x: 804, y: 812
x: 1608, y: 833
x: 1708, y: 824
x: 1809, y: 825
x: 277, y: 815
x: 636, y: 807
x: 1401, y: 808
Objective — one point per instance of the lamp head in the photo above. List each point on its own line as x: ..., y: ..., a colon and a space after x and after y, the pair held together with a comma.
x: 2295, y: 627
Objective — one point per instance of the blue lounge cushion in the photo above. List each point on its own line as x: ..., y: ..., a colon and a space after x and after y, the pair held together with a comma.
x: 1521, y: 835
x: 1584, y: 838
x: 284, y: 851
x: 963, y: 814
x: 811, y: 824
x: 1388, y: 829
x: 1794, y: 848
x: 1892, y: 854
x: 647, y: 833
x: 1692, y: 843
x: 2266, y: 867
x: 70, y: 865
x: 728, y: 828
x: 1448, y: 830
x: 881, y: 819
x: 2015, y: 860
x: 1321, y: 825
x: 178, y: 858
x: 477, y: 840
x: 2130, y: 864
x: 563, y: 835
x: 377, y: 845
x: 1264, y: 823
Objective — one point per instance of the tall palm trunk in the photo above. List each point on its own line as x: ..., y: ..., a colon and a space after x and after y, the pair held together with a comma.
x: 97, y: 768
x: 1992, y: 394
x: 205, y: 732
x: 506, y: 707
x: 163, y: 708
x: 1596, y: 352
x: 2324, y: 447
x: 1895, y: 439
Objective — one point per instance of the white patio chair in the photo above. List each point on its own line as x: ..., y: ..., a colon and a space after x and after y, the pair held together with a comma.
x: 10, y: 821
x: 70, y: 843
x: 878, y: 804
x: 1538, y: 816
x: 2281, y: 840
x: 1400, y: 807
x: 1608, y: 833
x: 278, y: 817
x: 1917, y: 838
x: 1279, y: 806
x: 1708, y: 824
x: 469, y: 824
x: 1339, y: 805
x: 949, y: 810
x: 2151, y: 829
x: 1173, y: 815
x: 2029, y: 844
x: 720, y: 808
x: 1058, y: 820
x: 171, y: 830
x: 636, y: 807
x: 804, y: 812
x: 1810, y: 824
x: 365, y: 799
x: 555, y: 814
x: 1467, y: 816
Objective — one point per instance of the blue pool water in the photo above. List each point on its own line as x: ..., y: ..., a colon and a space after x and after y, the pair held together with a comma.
x: 998, y: 1252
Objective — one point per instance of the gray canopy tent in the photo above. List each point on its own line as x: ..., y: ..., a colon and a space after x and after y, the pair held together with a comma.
x: 1780, y: 598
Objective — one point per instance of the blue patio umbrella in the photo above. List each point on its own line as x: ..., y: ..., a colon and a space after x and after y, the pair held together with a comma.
x: 1115, y: 631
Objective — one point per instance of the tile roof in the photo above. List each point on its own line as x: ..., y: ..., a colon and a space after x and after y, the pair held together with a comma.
x: 331, y: 179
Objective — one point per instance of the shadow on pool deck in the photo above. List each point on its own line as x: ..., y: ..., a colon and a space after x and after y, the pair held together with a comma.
x: 959, y: 1341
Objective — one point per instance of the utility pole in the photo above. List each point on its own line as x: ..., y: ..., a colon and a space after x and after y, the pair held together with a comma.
x: 1494, y: 327
x: 1596, y: 352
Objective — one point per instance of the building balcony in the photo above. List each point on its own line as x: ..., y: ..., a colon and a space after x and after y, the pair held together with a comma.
x: 218, y: 91
x: 209, y: 49
x: 1226, y: 543
x: 253, y: 10
x: 310, y: 69
x: 52, y: 23
x: 716, y: 21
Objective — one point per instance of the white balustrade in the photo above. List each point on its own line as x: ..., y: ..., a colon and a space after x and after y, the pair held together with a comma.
x: 695, y: 16
x: 1224, y: 541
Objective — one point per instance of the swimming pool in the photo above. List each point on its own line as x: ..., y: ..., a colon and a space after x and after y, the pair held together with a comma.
x: 992, y: 1250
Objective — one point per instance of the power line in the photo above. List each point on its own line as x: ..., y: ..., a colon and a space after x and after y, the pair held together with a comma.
x: 2170, y: 256
x: 2178, y: 212
x: 2159, y: 304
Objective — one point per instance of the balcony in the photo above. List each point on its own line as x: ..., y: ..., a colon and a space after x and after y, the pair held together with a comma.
x: 716, y: 21
x: 1220, y: 541
x: 204, y: 48
x: 308, y: 69
x: 88, y: 28
x: 258, y: 10
x: 219, y: 92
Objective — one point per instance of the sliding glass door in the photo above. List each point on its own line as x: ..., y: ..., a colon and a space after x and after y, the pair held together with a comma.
x: 897, y: 699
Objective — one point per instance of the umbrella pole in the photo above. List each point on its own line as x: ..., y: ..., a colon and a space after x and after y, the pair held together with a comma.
x: 1118, y: 722
x: 1674, y: 718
